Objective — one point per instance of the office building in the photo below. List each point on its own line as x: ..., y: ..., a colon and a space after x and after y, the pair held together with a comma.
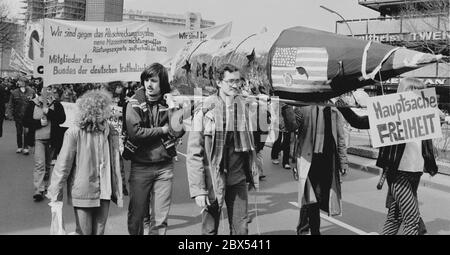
x: 170, y: 22
x: 33, y: 9
x: 86, y: 10
x: 418, y: 25
x: 65, y: 9
x: 104, y: 10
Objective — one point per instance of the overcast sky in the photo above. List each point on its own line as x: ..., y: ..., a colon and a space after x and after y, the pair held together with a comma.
x: 249, y: 16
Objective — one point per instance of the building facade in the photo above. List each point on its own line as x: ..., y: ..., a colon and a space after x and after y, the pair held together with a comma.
x: 104, y: 10
x: 87, y: 10
x: 418, y: 25
x: 170, y: 22
x: 33, y: 9
x: 65, y: 9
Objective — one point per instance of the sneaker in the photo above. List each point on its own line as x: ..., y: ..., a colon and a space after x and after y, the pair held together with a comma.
x: 38, y: 197
x: 287, y: 166
x: 19, y: 150
x: 26, y: 151
x: 275, y: 161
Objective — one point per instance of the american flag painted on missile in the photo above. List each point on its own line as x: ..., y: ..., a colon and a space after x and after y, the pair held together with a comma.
x: 300, y: 69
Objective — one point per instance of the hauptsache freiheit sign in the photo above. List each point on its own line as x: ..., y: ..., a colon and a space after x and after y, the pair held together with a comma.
x: 404, y: 117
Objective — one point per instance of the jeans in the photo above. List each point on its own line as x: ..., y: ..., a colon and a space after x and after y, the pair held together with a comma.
x: 236, y: 199
x: 23, y: 138
x: 42, y: 160
x: 309, y: 219
x: 283, y: 143
x: 150, y: 189
x: 91, y: 220
x: 260, y: 162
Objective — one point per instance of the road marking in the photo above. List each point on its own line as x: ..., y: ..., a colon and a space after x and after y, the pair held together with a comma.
x: 340, y: 223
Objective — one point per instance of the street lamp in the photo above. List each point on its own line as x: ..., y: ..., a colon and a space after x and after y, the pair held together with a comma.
x: 327, y: 9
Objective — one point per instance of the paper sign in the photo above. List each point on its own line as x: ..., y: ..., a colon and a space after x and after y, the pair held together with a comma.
x: 404, y: 117
x: 71, y: 110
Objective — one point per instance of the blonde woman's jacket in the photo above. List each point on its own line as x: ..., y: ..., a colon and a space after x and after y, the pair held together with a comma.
x: 79, y: 164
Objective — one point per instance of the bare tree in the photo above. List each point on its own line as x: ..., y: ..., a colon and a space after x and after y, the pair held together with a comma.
x: 430, y: 15
x: 9, y: 31
x: 5, y: 26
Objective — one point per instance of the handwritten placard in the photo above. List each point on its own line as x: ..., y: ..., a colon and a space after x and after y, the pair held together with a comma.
x: 404, y: 117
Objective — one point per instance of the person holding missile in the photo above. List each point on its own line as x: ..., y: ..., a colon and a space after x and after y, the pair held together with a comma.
x: 152, y: 141
x: 321, y: 158
x: 221, y: 156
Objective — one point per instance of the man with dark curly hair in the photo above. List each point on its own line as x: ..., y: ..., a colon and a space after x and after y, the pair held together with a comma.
x: 151, y: 176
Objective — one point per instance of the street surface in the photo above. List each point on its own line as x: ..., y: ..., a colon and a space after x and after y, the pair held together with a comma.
x: 273, y: 209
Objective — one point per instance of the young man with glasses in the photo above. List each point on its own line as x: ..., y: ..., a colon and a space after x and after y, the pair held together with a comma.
x: 221, y: 155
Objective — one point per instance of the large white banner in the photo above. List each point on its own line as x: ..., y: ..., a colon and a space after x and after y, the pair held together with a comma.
x: 38, y: 56
x: 81, y: 52
x: 404, y: 117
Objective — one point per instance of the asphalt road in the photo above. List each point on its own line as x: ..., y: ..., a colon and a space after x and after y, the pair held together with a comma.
x: 273, y: 208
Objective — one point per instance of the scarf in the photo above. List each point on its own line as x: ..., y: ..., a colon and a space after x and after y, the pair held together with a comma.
x: 318, y: 125
x: 233, y: 119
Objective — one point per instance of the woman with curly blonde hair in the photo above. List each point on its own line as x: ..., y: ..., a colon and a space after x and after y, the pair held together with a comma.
x: 89, y: 162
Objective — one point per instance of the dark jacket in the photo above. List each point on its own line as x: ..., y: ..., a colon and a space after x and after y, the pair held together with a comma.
x: 389, y: 157
x: 148, y: 136
x: 308, y: 131
x: 55, y: 115
x: 3, y: 99
x: 18, y: 102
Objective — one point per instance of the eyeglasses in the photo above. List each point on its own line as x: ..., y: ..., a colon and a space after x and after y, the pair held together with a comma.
x: 233, y: 81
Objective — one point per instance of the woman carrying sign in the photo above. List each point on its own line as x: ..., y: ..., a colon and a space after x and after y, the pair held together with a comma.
x: 404, y: 165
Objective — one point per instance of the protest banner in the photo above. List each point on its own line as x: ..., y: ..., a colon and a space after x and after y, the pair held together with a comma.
x: 38, y: 62
x: 81, y: 52
x: 404, y: 117
x: 18, y: 63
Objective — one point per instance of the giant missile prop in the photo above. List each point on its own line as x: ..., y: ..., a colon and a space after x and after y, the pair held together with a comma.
x: 300, y: 64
